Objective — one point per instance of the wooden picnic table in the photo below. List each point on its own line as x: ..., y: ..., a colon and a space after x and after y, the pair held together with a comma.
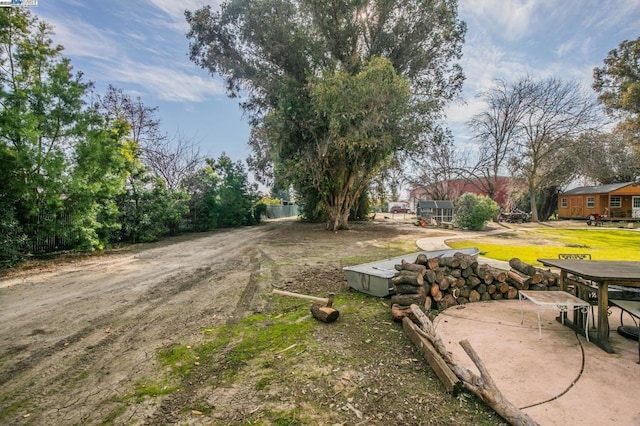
x: 602, y: 273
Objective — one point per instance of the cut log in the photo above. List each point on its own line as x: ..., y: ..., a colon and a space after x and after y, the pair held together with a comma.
x: 521, y: 266
x: 408, y: 277
x: 466, y: 261
x: 473, y: 281
x: 474, y: 296
x: 512, y: 293
x: 449, y: 262
x: 422, y: 259
x: 433, y: 263
x: 436, y: 293
x: 491, y: 288
x: 430, y: 276
x: 428, y: 303
x: 407, y: 289
x: 447, y: 301
x: 399, y: 312
x: 468, y: 272
x: 482, y: 288
x: 548, y: 276
x: 503, y: 288
x: 498, y: 275
x: 447, y: 282
x: 485, y: 296
x: 518, y: 279
x: 408, y: 299
x: 465, y: 291
x: 414, y: 267
x: 324, y: 313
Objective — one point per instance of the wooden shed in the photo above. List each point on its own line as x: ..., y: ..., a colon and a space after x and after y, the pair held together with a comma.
x: 616, y: 201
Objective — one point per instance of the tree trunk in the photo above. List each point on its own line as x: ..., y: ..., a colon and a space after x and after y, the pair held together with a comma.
x: 533, y: 203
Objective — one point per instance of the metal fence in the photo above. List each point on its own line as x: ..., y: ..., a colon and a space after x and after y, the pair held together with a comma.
x: 48, y: 232
x: 276, y: 212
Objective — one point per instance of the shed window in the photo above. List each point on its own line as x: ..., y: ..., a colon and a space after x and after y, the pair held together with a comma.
x: 615, y: 202
x: 591, y: 202
x: 565, y: 203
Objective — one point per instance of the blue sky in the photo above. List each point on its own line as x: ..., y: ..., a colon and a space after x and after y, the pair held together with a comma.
x: 140, y: 46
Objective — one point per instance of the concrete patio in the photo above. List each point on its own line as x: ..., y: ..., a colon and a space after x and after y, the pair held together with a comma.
x: 558, y: 378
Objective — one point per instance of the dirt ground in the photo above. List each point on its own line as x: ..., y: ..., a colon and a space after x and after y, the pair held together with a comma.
x: 78, y: 332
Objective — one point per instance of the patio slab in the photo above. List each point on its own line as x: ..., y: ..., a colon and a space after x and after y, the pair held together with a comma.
x: 558, y: 378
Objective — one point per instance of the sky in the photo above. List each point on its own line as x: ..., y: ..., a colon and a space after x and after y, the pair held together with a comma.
x: 140, y: 46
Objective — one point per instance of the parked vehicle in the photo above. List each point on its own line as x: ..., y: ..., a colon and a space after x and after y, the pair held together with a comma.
x: 398, y: 209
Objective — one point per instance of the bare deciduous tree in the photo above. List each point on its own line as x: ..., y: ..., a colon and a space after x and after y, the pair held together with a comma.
x: 434, y: 166
x: 556, y: 113
x: 497, y: 129
x: 531, y: 125
x: 172, y: 159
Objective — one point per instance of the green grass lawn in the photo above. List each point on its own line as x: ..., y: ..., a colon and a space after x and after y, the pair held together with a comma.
x: 530, y: 245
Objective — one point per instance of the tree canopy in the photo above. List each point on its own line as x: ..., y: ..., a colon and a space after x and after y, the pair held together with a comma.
x: 617, y: 83
x: 312, y: 73
x: 82, y: 175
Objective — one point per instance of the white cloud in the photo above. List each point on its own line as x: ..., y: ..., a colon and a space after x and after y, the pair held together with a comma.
x: 164, y: 82
x: 82, y: 39
x: 566, y: 47
x: 512, y: 19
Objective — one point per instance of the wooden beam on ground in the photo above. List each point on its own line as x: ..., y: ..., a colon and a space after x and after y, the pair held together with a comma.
x: 442, y: 370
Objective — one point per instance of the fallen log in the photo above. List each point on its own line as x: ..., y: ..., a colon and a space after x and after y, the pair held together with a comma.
x: 482, y: 386
x: 431, y: 355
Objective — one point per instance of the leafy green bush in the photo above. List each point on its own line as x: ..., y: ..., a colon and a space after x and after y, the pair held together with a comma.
x: 474, y: 211
x: 13, y: 242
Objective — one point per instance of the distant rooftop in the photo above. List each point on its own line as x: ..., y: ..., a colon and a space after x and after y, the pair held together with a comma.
x: 602, y: 189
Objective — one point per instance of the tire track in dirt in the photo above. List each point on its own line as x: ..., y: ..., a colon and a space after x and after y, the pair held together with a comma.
x: 72, y: 361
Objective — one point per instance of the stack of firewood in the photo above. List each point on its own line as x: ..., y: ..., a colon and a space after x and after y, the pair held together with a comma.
x: 528, y: 277
x: 445, y: 281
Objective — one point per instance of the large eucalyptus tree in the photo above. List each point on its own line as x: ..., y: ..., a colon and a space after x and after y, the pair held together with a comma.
x: 332, y: 88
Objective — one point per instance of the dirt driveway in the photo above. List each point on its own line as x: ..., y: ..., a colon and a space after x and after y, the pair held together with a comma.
x: 76, y: 335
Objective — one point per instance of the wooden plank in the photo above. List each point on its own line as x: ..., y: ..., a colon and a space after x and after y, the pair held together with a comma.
x: 442, y: 370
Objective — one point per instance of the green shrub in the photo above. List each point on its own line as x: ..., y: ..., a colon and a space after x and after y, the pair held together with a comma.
x: 474, y: 211
x: 13, y: 242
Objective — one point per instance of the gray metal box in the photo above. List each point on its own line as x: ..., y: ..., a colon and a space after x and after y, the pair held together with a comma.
x: 375, y: 278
